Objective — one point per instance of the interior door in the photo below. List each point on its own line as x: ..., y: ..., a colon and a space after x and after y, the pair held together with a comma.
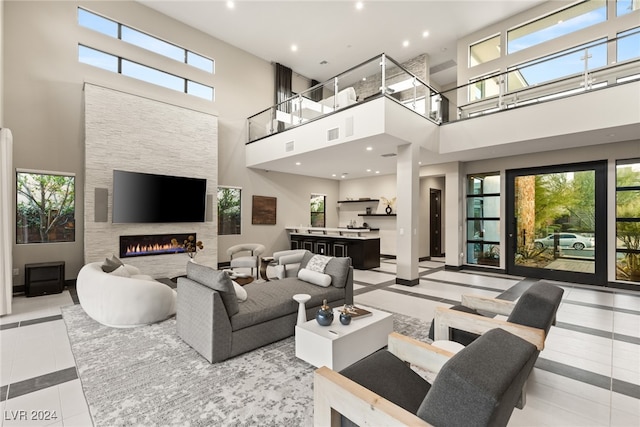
x: 556, y: 222
x: 435, y: 222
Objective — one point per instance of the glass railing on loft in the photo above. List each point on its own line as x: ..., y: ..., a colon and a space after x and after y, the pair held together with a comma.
x: 380, y: 76
x: 563, y: 74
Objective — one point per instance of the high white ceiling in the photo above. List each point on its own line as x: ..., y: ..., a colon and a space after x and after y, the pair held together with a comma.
x: 337, y: 32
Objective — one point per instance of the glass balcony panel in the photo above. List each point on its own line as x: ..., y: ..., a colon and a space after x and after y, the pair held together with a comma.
x: 262, y: 124
x: 592, y: 56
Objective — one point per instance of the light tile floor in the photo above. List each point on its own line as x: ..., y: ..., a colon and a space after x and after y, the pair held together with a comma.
x: 588, y: 374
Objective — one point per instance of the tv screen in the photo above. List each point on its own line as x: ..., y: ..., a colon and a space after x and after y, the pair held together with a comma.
x: 143, y: 197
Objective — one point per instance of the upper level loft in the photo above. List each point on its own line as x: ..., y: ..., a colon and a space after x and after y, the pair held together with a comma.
x: 571, y: 98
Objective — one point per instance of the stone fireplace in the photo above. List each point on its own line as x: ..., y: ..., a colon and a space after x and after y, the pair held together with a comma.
x: 151, y: 244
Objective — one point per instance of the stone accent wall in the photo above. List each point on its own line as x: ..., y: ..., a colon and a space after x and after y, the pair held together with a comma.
x: 133, y: 133
x: 371, y: 86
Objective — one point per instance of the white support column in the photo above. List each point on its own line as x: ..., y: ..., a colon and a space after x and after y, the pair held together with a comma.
x: 453, y: 210
x: 408, y: 205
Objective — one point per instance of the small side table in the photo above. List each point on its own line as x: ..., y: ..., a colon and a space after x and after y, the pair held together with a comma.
x: 264, y: 263
x: 302, y: 310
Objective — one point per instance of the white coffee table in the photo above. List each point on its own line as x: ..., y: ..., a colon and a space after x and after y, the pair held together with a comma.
x: 338, y: 346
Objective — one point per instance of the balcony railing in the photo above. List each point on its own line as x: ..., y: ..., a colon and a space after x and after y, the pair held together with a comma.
x: 379, y: 76
x: 522, y: 85
x: 553, y: 77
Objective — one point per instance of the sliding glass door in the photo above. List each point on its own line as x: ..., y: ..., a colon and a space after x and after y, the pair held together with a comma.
x: 556, y: 222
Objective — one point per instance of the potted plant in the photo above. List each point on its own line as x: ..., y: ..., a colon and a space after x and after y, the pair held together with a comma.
x: 490, y: 257
x: 628, y: 268
x: 190, y: 246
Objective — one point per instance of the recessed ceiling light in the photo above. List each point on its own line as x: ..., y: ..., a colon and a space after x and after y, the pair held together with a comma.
x: 377, y: 171
x: 333, y: 174
x: 364, y: 79
x: 294, y: 48
x: 298, y: 163
x: 368, y: 170
x: 405, y: 43
x: 425, y: 34
x: 343, y: 176
x: 359, y: 5
x: 231, y: 4
x: 369, y: 148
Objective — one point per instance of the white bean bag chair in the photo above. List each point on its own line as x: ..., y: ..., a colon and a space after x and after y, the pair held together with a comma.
x: 124, y: 298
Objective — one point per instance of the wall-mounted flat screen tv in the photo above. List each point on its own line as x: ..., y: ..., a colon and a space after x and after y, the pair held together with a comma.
x: 143, y: 198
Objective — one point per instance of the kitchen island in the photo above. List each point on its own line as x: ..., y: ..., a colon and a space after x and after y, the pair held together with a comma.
x: 362, y: 245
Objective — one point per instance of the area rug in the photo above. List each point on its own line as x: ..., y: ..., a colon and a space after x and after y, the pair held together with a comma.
x: 148, y: 376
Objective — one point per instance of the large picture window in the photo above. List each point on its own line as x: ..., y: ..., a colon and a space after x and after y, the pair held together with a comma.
x: 229, y: 217
x: 628, y: 220
x: 45, y: 207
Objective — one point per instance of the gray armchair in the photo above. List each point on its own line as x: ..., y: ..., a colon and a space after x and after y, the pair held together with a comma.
x: 530, y: 318
x: 246, y: 255
x: 479, y: 386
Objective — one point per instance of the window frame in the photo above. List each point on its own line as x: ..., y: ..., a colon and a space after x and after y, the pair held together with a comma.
x: 323, y: 212
x: 221, y: 216
x: 69, y: 222
x: 480, y: 245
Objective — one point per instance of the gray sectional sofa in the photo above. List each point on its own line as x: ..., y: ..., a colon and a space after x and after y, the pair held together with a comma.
x: 212, y: 320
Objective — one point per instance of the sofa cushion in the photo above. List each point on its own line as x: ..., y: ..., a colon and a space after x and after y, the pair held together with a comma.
x: 314, y: 277
x: 217, y: 280
x: 337, y: 268
x: 274, y: 299
x: 391, y: 378
x: 110, y: 264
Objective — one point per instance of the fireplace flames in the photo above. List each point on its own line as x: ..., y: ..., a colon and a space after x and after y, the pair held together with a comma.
x: 151, y: 244
x: 155, y: 249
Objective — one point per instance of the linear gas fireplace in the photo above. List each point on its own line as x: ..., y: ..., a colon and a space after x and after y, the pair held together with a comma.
x: 151, y: 244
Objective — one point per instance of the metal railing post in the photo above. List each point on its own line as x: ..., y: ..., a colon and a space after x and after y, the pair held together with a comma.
x: 383, y: 60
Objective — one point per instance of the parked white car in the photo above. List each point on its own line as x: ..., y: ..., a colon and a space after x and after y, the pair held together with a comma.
x: 570, y: 240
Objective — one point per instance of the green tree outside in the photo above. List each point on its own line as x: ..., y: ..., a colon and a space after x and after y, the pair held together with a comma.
x: 45, y: 208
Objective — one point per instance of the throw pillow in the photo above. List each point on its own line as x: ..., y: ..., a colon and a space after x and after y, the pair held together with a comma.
x: 120, y: 272
x: 314, y: 277
x: 111, y: 264
x: 338, y: 269
x: 218, y: 281
x: 241, y: 293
